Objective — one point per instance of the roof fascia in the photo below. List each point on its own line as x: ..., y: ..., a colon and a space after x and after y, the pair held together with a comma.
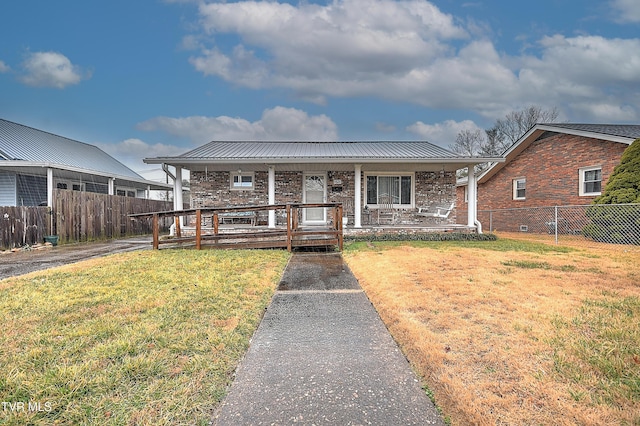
x: 200, y: 161
x: 587, y: 134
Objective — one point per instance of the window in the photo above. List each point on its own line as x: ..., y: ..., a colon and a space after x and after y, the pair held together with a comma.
x: 126, y: 192
x: 398, y: 188
x: 519, y: 188
x: 242, y: 181
x: 590, y: 181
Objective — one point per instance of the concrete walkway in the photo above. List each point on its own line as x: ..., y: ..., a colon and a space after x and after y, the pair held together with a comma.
x: 322, y: 356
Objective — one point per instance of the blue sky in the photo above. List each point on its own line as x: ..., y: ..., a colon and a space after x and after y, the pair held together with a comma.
x: 149, y: 78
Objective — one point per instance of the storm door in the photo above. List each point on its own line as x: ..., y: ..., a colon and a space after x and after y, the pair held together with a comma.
x: 315, y: 190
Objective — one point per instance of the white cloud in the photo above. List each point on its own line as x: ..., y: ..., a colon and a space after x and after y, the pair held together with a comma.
x: 51, y: 69
x: 584, y: 70
x: 278, y: 123
x: 4, y: 67
x: 130, y: 152
x: 410, y: 51
x: 628, y: 11
x: 441, y: 134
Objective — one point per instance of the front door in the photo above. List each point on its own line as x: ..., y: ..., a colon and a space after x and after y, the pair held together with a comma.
x: 315, y: 190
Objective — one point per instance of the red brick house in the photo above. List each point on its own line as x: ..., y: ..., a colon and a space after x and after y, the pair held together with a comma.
x: 558, y: 164
x: 413, y: 179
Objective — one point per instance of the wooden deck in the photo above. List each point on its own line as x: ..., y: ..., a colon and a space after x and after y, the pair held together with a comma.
x: 220, y: 236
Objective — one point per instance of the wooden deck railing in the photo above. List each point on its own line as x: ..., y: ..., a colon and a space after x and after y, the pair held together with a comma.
x: 289, y: 235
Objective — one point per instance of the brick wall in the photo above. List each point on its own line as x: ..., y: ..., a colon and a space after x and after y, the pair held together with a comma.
x: 551, y: 168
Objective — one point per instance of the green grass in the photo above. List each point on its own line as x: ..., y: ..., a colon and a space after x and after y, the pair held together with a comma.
x: 603, y: 338
x: 502, y: 245
x: 140, y: 338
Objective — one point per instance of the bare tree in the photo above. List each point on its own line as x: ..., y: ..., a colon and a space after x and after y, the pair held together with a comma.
x: 504, y: 133
x: 516, y: 123
x: 468, y: 142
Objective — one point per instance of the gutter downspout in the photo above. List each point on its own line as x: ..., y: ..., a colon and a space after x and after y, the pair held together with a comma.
x: 165, y: 168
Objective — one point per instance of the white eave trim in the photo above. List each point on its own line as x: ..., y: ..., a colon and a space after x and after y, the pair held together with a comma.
x: 322, y: 160
x: 585, y: 133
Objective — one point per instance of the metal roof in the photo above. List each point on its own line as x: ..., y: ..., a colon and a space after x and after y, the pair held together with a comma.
x: 274, y: 150
x: 316, y: 152
x: 23, y: 143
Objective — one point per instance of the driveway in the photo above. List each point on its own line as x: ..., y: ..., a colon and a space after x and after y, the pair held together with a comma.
x: 25, y: 261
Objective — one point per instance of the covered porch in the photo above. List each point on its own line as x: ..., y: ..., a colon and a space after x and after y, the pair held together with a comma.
x: 381, y: 185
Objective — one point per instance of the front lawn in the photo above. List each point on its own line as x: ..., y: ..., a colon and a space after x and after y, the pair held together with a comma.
x: 148, y: 337
x: 512, y: 332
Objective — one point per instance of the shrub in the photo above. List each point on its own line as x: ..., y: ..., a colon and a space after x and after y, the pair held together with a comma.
x: 622, y: 223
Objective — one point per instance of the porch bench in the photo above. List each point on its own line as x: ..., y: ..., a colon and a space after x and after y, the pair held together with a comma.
x: 440, y: 211
x: 238, y: 217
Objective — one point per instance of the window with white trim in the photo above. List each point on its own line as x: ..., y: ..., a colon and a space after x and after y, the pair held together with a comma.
x: 590, y: 181
x: 126, y: 192
x: 519, y: 188
x: 242, y: 181
x: 397, y: 188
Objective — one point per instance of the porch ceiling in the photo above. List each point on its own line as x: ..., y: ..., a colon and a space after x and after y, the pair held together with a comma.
x: 71, y: 173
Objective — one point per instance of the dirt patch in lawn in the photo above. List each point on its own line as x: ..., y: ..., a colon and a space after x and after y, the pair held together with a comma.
x: 513, y: 334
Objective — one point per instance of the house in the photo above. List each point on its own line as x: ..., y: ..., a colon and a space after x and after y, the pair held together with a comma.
x: 33, y: 163
x: 559, y: 164
x: 414, y: 181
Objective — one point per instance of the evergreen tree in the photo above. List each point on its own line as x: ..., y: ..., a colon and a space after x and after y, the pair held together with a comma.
x: 624, y: 184
x: 619, y: 224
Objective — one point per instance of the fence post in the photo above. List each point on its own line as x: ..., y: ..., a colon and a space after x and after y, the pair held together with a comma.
x: 156, y: 231
x: 556, y: 223
x: 198, y: 229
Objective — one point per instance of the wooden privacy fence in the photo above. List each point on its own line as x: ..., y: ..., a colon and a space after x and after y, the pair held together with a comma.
x: 77, y: 217
x: 23, y: 226
x: 85, y: 216
x: 290, y: 235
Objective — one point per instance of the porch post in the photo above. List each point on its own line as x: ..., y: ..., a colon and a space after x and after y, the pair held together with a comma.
x: 272, y: 196
x: 177, y: 190
x: 50, y: 187
x: 111, y: 189
x: 472, y: 204
x: 357, y: 203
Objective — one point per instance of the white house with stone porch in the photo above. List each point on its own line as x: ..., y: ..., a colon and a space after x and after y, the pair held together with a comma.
x: 416, y: 180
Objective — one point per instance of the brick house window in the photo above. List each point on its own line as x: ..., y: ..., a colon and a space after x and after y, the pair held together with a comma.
x: 590, y: 181
x: 398, y: 187
x: 242, y: 181
x: 519, y: 189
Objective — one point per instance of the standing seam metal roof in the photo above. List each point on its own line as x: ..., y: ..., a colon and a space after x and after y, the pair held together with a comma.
x: 226, y: 150
x: 19, y: 142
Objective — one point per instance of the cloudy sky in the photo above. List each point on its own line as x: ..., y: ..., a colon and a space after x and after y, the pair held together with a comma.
x: 149, y: 78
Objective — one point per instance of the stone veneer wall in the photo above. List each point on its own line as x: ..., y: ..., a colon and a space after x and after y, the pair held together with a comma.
x: 212, y: 189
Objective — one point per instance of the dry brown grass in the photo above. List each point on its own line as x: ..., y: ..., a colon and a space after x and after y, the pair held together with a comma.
x: 494, y: 333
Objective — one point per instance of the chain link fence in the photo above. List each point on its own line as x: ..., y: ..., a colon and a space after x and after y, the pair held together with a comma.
x: 582, y: 225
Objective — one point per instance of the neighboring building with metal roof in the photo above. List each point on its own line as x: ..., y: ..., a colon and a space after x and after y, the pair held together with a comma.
x: 556, y: 164
x: 34, y: 162
x: 406, y: 177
